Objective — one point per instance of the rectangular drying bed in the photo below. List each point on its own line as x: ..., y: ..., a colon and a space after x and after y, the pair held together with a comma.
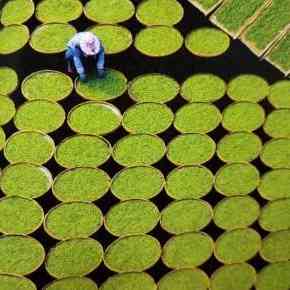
x: 206, y: 6
x: 268, y: 28
x: 233, y: 16
x: 279, y: 55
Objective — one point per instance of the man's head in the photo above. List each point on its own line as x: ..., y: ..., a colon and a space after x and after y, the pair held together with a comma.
x: 89, y: 43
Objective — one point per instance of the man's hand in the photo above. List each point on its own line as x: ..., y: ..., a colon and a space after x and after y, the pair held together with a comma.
x: 83, y: 77
x: 101, y: 73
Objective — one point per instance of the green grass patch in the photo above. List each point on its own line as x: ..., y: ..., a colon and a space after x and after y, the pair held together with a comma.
x: 187, y: 215
x: 132, y: 217
x: 114, y: 38
x: 2, y: 138
x: 169, y: 41
x: 151, y: 118
x: 236, y: 212
x: 279, y: 56
x: 274, y: 276
x: 277, y: 123
x: 96, y: 118
x: 8, y: 80
x: 19, y: 215
x: 207, y: 42
x: 13, y: 38
x: 76, y: 283
x: 148, y: 149
x: 112, y: 86
x: 237, y: 179
x: 206, y: 6
x: 185, y: 279
x: 40, y: 115
x: 155, y: 87
x: 233, y: 16
x: 32, y: 181
x: 75, y: 257
x: 248, y: 88
x: 52, y: 37
x: 20, y: 255
x: 47, y: 84
x: 180, y: 250
x: 159, y: 12
x: 237, y: 246
x: 139, y: 182
x: 29, y: 146
x: 7, y: 110
x: 9, y: 282
x: 58, y: 11
x: 81, y: 184
x: 134, y: 253
x: 276, y: 246
x: 17, y: 12
x: 267, y: 26
x: 109, y: 11
x: 279, y: 96
x: 83, y: 150
x: 243, y: 116
x: 197, y: 118
x: 203, y: 88
x: 129, y: 281
x: 276, y: 153
x: 189, y: 182
x: 237, y: 276
x: 275, y: 216
x: 191, y: 149
x: 239, y: 146
x: 275, y: 184
x: 73, y: 220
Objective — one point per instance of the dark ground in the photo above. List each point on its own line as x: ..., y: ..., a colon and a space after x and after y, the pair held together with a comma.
x: 236, y: 61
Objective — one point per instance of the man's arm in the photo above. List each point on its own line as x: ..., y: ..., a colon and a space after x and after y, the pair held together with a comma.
x: 101, y: 63
x: 78, y: 64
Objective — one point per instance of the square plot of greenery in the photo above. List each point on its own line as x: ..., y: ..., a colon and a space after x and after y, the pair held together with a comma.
x: 265, y: 29
x: 233, y: 15
x: 206, y: 6
x: 279, y: 56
